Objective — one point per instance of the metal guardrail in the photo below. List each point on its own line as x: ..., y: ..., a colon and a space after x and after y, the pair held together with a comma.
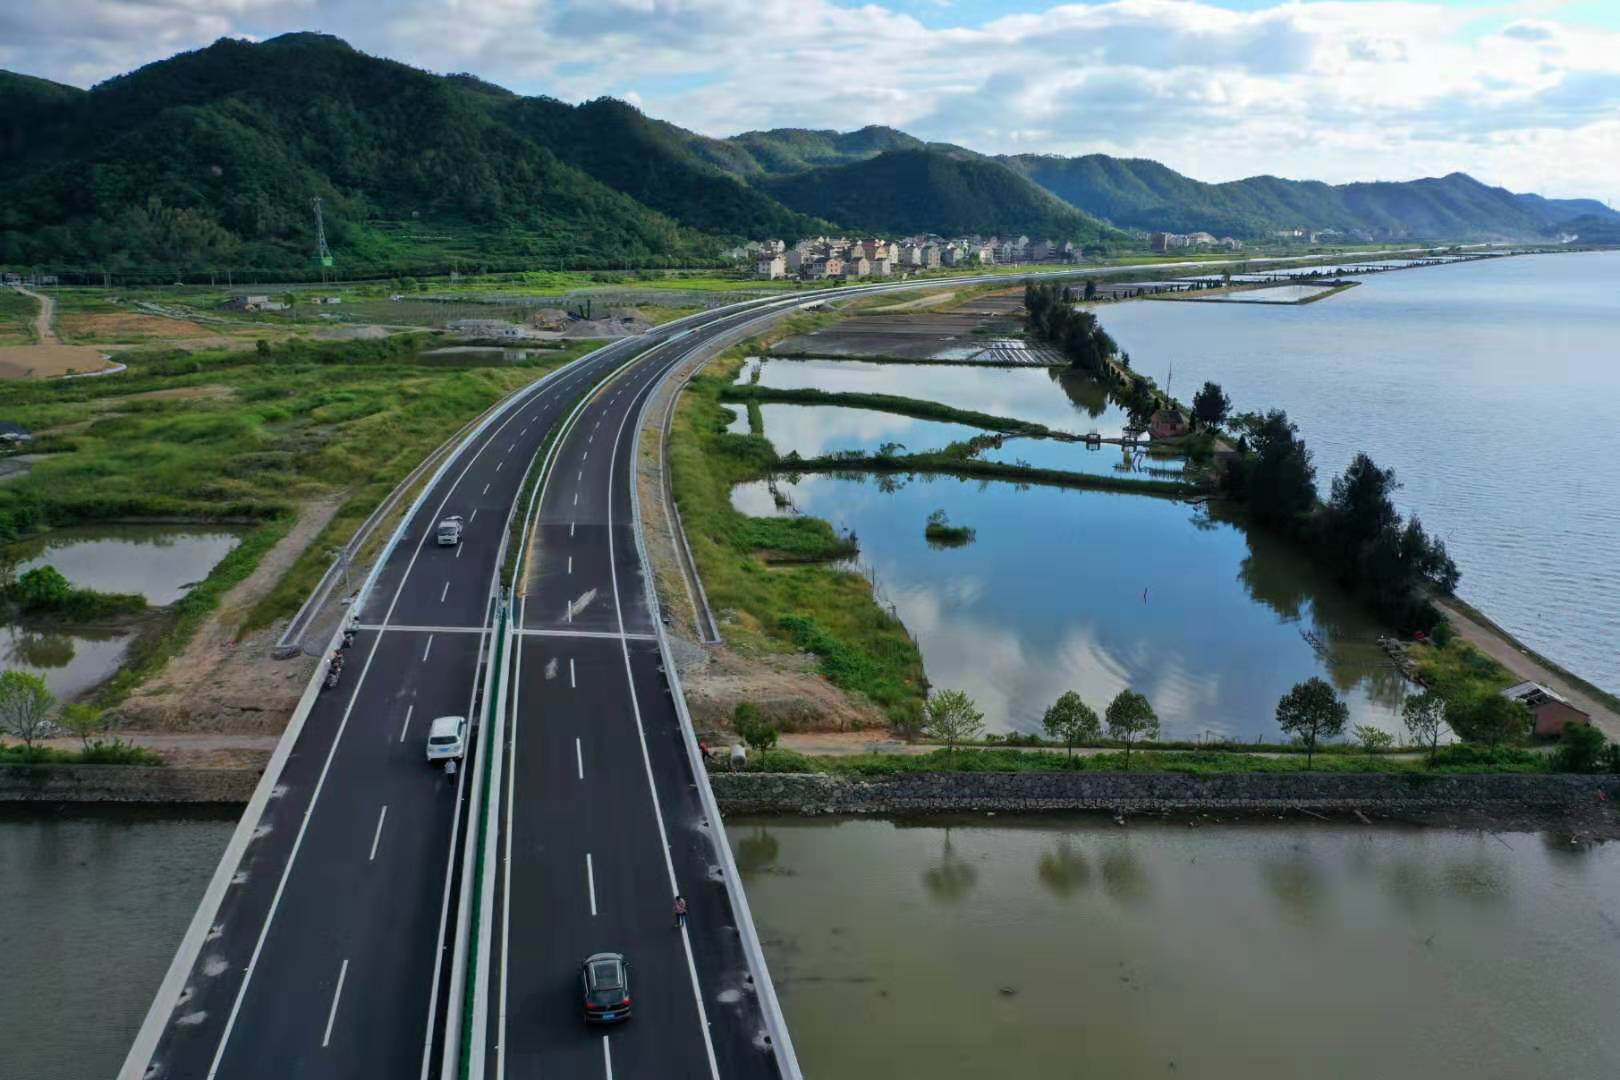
x: 776, y: 1029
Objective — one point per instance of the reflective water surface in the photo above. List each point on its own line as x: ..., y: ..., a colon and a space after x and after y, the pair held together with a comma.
x: 93, y: 904
x: 1060, y: 399
x: 1045, y: 948
x: 69, y: 662
x: 1097, y: 591
x: 161, y: 562
x: 1484, y: 384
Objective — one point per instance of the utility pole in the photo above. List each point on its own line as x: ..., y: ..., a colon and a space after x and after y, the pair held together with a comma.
x: 323, y: 254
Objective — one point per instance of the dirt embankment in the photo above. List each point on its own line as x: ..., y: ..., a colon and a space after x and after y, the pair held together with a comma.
x: 718, y: 678
x: 223, y: 686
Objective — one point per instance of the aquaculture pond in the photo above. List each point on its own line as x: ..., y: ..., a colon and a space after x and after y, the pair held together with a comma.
x: 1095, y: 591
x: 1059, y: 398
x: 956, y: 949
x: 160, y: 562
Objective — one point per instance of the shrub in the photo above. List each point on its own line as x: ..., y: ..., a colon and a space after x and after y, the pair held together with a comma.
x: 1581, y: 749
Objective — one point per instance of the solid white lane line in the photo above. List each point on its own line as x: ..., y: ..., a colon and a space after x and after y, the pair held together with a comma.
x: 407, y: 724
x: 571, y: 673
x: 590, y: 882
x: 486, y: 489
x: 337, y: 995
x: 579, y: 757
x: 646, y: 761
x: 382, y: 817
x: 444, y: 593
x: 607, y: 1058
x: 427, y: 648
x: 570, y: 564
x: 506, y: 861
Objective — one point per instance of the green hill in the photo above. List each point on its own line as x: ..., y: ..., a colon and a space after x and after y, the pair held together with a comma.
x: 211, y: 158
x: 910, y: 191
x: 1140, y: 194
x: 782, y: 151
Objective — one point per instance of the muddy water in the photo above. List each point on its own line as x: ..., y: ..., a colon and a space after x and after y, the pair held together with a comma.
x: 1098, y: 591
x: 158, y: 561
x: 92, y: 906
x: 1046, y: 948
x: 1061, y: 399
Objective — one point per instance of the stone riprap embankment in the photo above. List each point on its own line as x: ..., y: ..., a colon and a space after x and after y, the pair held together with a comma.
x: 125, y: 784
x: 910, y: 793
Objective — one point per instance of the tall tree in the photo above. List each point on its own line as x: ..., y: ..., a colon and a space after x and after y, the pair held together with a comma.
x: 1425, y: 719
x: 1311, y: 712
x: 25, y: 707
x: 1210, y: 405
x: 1130, y: 718
x: 952, y: 718
x: 1071, y: 720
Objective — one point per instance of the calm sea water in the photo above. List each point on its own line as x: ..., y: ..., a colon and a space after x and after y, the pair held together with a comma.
x: 93, y: 903
x: 1046, y: 948
x: 1493, y: 389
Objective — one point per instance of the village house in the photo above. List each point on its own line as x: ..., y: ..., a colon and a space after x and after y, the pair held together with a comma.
x: 1168, y: 424
x: 930, y: 256
x: 882, y: 266
x: 1550, y: 711
x: 770, y: 266
x: 858, y: 266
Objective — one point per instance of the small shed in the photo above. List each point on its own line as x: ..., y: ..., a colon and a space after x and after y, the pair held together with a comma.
x: 1168, y: 424
x: 1551, y: 710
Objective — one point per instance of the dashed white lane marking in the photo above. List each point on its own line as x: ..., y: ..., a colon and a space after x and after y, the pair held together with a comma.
x: 570, y: 528
x: 511, y: 448
x: 579, y: 477
x: 382, y: 817
x: 590, y: 882
x: 579, y: 757
x: 585, y: 455
x: 576, y: 498
x: 473, y: 516
x: 486, y: 489
x: 498, y: 465
x: 570, y: 564
x: 337, y: 995
x: 458, y: 550
x: 445, y: 592
x: 406, y: 726
x: 571, y: 672
x: 427, y: 648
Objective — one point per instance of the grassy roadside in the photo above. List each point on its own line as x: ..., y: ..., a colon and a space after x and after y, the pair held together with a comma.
x: 768, y: 579
x: 17, y: 314
x: 1611, y: 700
x: 1451, y: 760
x: 244, y: 437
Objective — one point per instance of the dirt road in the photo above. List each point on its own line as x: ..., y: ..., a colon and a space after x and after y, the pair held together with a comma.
x: 48, y: 357
x: 45, y: 321
x: 1526, y: 667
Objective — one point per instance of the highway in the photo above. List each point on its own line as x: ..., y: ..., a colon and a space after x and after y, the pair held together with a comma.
x: 327, y: 953
x: 327, y: 939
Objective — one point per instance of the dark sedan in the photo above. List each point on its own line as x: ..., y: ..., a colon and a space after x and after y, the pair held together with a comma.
x: 605, y: 978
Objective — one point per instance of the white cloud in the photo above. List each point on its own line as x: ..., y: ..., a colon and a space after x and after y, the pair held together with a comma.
x: 1329, y: 90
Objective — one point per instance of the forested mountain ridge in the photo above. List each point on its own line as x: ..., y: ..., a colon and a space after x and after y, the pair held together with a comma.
x: 919, y: 190
x: 1141, y: 194
x: 210, y: 159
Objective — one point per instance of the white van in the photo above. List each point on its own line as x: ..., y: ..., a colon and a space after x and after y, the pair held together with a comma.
x: 447, y: 739
x: 450, y: 531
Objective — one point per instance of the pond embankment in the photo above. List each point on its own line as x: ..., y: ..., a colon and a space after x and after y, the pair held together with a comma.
x: 1485, y: 800
x: 125, y: 784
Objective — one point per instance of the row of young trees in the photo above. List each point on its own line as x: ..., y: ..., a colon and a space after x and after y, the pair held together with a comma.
x: 1077, y: 334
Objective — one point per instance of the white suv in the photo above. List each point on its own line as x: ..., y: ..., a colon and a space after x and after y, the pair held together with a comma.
x: 447, y: 739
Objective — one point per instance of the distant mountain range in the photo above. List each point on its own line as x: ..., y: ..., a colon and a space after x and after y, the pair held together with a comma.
x: 211, y: 159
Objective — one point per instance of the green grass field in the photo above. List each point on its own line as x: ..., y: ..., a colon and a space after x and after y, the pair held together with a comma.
x: 16, y: 318
x: 247, y: 436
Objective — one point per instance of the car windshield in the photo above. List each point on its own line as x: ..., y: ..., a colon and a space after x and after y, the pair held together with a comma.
x: 605, y: 975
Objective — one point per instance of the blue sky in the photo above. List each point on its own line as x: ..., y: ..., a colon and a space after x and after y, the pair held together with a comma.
x: 1522, y: 93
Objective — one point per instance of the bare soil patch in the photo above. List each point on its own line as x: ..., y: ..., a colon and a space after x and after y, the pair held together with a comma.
x: 223, y: 684
x: 49, y: 361
x: 127, y: 326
